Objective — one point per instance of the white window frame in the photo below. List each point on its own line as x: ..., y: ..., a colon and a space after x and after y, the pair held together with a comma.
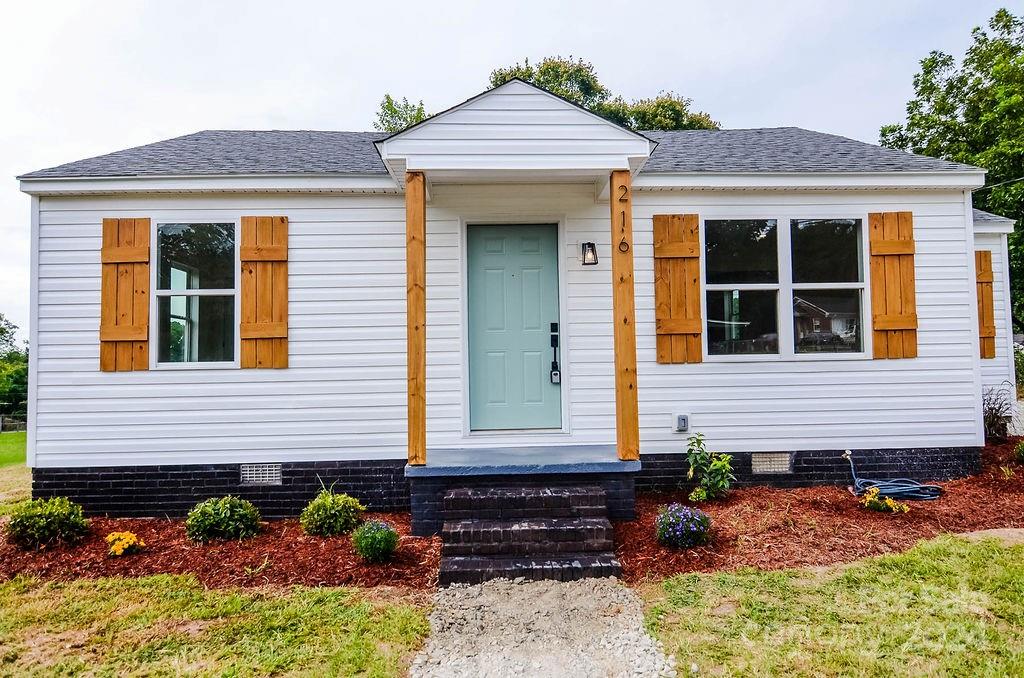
x: 785, y: 289
x: 154, y: 311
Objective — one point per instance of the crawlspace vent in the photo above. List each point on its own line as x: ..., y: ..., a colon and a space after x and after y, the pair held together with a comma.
x: 261, y: 474
x: 771, y: 462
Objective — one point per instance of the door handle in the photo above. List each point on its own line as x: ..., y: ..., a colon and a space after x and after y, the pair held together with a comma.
x: 556, y: 373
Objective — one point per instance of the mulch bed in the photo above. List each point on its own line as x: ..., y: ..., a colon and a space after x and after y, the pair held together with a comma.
x: 281, y: 555
x: 771, y: 528
x: 760, y: 527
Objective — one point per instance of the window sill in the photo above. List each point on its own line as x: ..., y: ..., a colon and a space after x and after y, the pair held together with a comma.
x: 793, y: 358
x: 196, y: 366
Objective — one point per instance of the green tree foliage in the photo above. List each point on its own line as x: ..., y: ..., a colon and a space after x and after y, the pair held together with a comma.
x: 13, y: 371
x: 395, y: 115
x: 576, y: 80
x: 973, y: 112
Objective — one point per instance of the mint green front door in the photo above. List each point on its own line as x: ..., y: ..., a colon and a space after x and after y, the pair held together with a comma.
x: 513, y: 311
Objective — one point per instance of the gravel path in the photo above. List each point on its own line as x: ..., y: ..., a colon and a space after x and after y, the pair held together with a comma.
x: 586, y: 628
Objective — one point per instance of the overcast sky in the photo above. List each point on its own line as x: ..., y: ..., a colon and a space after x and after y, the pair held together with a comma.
x: 79, y: 79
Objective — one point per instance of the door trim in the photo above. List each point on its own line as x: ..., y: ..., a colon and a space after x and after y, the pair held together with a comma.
x: 527, y: 435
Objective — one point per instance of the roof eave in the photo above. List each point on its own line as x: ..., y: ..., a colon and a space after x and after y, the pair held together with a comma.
x: 209, y: 183
x: 903, y: 180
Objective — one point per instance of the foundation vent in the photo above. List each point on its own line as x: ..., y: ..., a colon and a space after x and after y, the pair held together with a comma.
x: 261, y: 474
x: 771, y: 462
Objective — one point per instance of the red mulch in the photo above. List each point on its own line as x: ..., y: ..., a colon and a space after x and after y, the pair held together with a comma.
x: 760, y: 527
x: 281, y: 555
x: 771, y: 528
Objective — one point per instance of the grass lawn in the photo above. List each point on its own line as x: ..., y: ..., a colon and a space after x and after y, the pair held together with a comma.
x: 170, y: 625
x: 12, y: 448
x: 15, y: 478
x: 946, y: 607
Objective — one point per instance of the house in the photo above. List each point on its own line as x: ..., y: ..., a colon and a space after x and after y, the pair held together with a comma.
x: 512, y: 292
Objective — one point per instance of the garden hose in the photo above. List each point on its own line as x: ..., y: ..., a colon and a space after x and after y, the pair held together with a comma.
x: 897, y: 488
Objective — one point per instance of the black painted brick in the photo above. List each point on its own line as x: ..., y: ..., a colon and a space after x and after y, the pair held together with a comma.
x: 428, y: 508
x: 666, y: 472
x: 142, y: 491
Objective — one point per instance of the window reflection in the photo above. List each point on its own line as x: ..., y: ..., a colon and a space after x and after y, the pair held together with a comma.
x: 742, y: 321
x: 741, y: 251
x: 827, y: 321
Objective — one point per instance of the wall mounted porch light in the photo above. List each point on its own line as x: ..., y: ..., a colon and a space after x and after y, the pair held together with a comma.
x: 588, y: 254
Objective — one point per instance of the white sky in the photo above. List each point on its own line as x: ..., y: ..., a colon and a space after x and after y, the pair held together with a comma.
x: 80, y: 79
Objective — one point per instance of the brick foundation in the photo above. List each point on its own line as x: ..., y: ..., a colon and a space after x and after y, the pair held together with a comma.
x: 130, y: 491
x: 664, y: 472
x: 141, y: 491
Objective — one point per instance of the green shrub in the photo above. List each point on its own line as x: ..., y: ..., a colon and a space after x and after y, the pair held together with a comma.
x: 681, y: 527
x: 38, y: 523
x: 1018, y: 452
x: 222, y: 518
x: 375, y: 541
x: 712, y: 470
x: 330, y: 514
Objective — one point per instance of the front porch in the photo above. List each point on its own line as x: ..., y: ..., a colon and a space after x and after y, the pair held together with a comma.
x: 522, y: 468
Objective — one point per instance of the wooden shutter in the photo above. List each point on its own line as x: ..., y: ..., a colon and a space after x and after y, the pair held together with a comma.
x: 986, y: 308
x: 124, y: 295
x: 677, y: 288
x: 893, y: 301
x: 264, y: 258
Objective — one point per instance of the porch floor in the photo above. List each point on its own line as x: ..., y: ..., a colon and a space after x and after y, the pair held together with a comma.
x: 545, y: 459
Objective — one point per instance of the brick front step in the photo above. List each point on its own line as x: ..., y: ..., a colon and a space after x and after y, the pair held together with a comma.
x: 511, y: 503
x: 564, y: 567
x: 531, y: 536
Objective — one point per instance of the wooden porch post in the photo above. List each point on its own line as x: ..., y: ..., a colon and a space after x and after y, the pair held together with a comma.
x: 627, y: 417
x: 416, y: 310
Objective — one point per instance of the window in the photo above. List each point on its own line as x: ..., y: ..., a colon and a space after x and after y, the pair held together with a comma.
x: 827, y: 285
x: 195, y: 292
x: 753, y: 271
x: 742, y: 262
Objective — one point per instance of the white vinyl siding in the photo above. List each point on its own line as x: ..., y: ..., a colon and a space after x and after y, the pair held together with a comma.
x: 344, y: 394
x: 998, y: 372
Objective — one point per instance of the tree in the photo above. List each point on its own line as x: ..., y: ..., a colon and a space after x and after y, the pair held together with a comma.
x: 576, y: 80
x: 973, y: 112
x: 394, y: 115
x: 13, y: 371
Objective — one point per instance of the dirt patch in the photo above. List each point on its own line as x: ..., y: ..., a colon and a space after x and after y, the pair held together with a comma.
x: 1007, y: 536
x: 771, y: 528
x: 281, y: 555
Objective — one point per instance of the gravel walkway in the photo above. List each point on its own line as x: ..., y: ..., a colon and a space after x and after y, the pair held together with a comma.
x: 586, y: 628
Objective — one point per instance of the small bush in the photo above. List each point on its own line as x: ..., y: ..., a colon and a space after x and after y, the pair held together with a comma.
x: 681, y: 526
x: 38, y: 523
x: 124, y: 544
x: 997, y: 409
x: 873, y: 501
x: 375, y: 541
x: 330, y: 514
x: 712, y: 470
x: 222, y: 518
x: 1018, y: 452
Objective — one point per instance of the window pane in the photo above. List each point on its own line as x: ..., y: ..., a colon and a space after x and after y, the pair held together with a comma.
x: 196, y: 256
x: 826, y: 250
x: 741, y: 251
x: 197, y: 329
x: 742, y: 322
x: 827, y: 321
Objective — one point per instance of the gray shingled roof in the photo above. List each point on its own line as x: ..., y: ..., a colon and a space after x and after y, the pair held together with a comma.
x: 235, y: 152
x: 219, y: 152
x: 989, y: 218
x: 780, y: 149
